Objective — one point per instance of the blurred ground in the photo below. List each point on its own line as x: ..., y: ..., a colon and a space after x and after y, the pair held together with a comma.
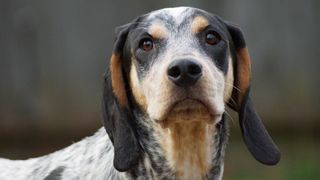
x: 299, y: 160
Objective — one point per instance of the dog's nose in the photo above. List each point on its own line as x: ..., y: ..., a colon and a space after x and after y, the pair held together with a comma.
x: 184, y: 72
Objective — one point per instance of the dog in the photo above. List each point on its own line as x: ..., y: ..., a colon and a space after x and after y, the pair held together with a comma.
x: 171, y: 75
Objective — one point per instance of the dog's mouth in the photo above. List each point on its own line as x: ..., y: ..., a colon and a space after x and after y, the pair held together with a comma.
x: 189, y: 110
x: 188, y: 106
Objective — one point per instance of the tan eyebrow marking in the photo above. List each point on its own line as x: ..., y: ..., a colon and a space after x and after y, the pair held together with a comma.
x: 198, y: 24
x: 158, y: 31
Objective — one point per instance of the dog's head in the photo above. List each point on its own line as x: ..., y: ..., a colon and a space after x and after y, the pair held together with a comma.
x: 173, y: 65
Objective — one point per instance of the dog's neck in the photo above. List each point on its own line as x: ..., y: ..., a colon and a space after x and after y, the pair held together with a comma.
x: 188, y: 148
x: 192, y: 150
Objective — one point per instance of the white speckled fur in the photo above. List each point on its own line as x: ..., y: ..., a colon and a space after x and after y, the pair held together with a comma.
x: 90, y: 158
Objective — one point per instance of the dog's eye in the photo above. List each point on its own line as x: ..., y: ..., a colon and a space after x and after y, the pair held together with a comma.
x: 212, y: 38
x: 146, y: 44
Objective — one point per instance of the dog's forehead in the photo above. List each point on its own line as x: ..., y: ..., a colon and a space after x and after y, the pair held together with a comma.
x: 177, y: 15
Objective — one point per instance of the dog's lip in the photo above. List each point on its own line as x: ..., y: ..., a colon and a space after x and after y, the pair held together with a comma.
x: 213, y: 113
x: 187, y: 100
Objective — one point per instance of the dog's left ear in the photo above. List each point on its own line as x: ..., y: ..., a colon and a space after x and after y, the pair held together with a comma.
x: 117, y: 116
x: 253, y: 131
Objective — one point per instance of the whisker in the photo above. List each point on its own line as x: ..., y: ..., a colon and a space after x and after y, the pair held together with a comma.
x: 233, y: 101
x: 233, y: 86
x: 232, y: 120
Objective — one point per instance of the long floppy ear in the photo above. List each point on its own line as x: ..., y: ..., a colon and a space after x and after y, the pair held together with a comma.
x: 117, y: 116
x: 253, y: 131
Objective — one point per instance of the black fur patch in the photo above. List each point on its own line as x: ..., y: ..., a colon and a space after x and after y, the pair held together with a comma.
x: 55, y: 174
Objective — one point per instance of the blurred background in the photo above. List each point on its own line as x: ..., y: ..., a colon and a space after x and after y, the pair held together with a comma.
x: 53, y: 55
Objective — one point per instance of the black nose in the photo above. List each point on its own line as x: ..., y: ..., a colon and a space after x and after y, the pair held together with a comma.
x: 184, y: 72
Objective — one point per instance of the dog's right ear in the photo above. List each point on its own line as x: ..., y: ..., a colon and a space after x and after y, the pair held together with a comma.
x: 254, y: 134
x: 117, y: 116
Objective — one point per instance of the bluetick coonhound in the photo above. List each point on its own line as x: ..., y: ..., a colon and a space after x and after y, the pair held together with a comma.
x: 171, y: 75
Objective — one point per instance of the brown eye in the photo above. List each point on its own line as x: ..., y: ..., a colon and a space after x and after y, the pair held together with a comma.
x: 212, y: 38
x: 146, y: 44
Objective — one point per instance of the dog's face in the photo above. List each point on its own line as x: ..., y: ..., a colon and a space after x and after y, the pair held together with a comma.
x: 178, y: 65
